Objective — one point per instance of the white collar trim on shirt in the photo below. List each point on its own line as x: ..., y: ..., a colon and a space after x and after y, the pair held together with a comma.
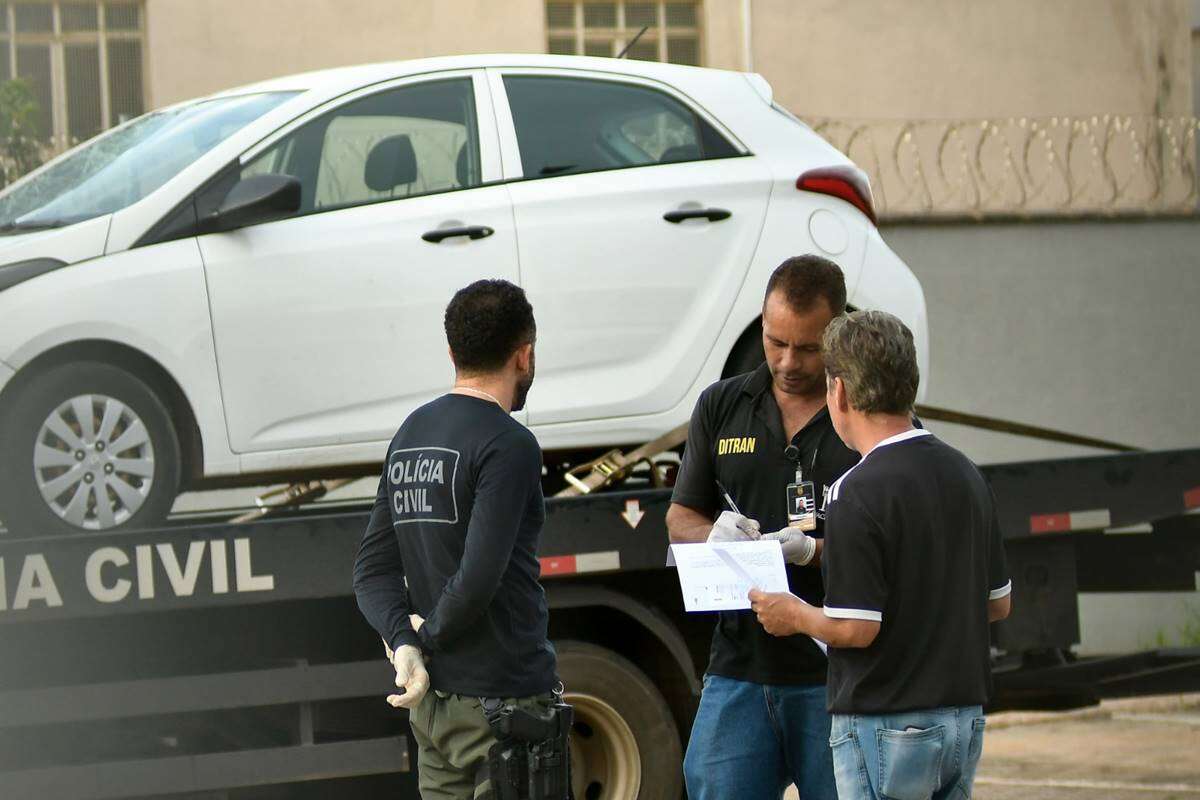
x: 899, y: 437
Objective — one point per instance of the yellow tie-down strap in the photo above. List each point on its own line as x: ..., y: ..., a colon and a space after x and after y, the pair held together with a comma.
x: 614, y: 465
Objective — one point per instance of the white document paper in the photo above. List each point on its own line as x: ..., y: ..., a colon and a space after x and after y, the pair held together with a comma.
x: 718, y: 577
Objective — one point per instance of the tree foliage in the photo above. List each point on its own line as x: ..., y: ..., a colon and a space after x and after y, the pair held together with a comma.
x: 21, y: 137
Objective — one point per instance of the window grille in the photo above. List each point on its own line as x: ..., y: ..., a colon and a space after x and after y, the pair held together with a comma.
x: 592, y: 28
x: 83, y: 60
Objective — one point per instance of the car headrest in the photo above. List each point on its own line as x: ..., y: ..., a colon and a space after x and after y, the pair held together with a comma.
x: 681, y: 152
x: 391, y: 163
x: 460, y: 165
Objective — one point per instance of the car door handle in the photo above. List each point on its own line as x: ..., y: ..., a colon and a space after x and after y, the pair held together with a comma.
x: 473, y: 231
x: 710, y: 214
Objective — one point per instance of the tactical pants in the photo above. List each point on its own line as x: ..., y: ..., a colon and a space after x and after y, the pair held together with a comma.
x: 453, y: 740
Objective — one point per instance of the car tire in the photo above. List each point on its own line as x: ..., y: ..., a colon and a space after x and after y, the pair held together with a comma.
x: 138, y: 483
x: 624, y: 743
x: 747, y: 353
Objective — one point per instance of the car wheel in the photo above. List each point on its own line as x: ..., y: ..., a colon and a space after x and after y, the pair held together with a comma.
x: 747, y: 352
x: 624, y: 743
x: 88, y: 447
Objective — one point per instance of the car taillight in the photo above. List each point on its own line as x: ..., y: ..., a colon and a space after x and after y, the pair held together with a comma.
x: 845, y: 183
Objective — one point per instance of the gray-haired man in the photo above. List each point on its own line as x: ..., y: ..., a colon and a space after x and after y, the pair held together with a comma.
x: 914, y: 572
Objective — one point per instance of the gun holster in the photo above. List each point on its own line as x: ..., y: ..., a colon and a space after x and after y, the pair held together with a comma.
x: 531, y: 757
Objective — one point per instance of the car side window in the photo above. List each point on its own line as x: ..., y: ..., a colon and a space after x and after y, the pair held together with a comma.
x: 573, y: 125
x: 413, y: 140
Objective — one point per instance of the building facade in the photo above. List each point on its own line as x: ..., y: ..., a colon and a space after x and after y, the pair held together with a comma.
x: 955, y: 108
x: 855, y: 59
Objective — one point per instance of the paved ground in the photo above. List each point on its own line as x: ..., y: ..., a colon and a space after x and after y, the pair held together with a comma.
x: 1142, y: 749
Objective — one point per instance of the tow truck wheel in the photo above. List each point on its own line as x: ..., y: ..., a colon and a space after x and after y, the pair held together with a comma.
x: 624, y: 744
x: 87, y: 447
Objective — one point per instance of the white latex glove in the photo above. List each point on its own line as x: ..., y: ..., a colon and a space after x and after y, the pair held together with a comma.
x: 416, y: 620
x: 798, y: 547
x: 732, y: 527
x: 410, y: 676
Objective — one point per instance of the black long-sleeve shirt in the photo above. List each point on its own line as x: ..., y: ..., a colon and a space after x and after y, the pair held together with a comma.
x: 458, y: 514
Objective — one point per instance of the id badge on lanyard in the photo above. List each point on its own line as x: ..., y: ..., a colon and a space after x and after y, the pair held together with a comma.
x: 802, y: 503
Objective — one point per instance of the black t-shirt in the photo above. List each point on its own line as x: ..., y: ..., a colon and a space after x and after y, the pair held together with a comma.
x: 736, y: 437
x: 458, y: 513
x: 912, y: 542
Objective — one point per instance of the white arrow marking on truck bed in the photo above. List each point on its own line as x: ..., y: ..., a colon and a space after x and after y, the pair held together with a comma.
x: 633, y: 513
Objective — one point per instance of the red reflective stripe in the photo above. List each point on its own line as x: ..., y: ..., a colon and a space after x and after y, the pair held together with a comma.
x: 1191, y: 498
x: 1049, y: 523
x: 558, y: 565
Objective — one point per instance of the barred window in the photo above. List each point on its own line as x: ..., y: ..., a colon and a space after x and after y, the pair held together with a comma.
x: 591, y: 28
x: 83, y: 60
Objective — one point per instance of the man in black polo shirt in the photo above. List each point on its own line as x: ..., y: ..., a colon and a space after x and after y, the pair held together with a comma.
x: 914, y: 572
x: 766, y: 438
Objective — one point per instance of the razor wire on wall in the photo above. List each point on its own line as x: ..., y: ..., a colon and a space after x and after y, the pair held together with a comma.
x: 1104, y: 164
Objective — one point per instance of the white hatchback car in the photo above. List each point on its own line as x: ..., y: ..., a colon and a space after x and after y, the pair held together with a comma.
x: 251, y: 285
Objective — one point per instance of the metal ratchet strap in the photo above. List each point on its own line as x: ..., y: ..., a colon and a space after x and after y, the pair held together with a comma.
x: 614, y: 465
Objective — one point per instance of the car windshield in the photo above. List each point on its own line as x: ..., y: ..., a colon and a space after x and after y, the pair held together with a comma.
x: 119, y: 169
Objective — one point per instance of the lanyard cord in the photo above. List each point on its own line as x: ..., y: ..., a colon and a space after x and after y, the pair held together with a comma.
x: 816, y: 451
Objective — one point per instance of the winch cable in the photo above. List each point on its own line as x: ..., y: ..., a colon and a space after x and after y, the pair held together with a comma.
x: 1017, y: 429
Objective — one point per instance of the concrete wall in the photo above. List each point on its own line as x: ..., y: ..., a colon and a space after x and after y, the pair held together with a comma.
x: 1196, y: 57
x: 1089, y: 327
x: 201, y: 46
x: 725, y: 26
x: 828, y: 58
x: 1126, y: 622
x: 1196, y: 72
x: 947, y: 58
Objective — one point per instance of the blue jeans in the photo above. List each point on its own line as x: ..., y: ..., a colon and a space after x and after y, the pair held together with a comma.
x: 914, y: 755
x: 749, y: 741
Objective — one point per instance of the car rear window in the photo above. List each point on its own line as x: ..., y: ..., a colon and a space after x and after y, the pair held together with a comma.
x: 573, y: 125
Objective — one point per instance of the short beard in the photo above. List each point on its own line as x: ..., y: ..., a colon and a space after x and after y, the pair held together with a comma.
x: 809, y: 389
x: 522, y: 391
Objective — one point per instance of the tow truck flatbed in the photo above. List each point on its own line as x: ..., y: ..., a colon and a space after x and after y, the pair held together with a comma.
x: 229, y: 660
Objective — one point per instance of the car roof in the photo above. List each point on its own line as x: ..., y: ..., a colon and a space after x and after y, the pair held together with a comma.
x: 346, y: 78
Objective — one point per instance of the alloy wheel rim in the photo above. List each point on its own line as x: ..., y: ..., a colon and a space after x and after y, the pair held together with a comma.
x: 93, y: 462
x: 605, y: 760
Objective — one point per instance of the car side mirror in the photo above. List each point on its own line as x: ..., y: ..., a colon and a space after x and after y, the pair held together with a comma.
x: 259, y: 198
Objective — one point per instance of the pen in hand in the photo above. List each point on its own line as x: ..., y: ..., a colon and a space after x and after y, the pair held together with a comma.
x: 729, y: 500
